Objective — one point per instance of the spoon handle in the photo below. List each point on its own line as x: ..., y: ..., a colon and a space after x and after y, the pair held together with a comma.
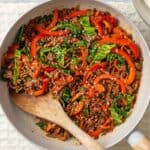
x: 84, y: 138
x: 64, y: 121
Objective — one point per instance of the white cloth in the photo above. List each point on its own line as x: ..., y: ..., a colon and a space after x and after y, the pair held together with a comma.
x: 10, y: 139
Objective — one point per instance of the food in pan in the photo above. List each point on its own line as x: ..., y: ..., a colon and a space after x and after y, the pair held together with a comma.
x: 85, y: 59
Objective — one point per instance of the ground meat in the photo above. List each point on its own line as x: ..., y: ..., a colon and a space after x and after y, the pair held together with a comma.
x: 29, y: 29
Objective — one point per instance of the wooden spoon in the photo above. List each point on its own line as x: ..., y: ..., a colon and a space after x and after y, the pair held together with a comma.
x: 49, y: 108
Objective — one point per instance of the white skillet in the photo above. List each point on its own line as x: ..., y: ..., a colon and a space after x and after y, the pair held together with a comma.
x: 26, y: 124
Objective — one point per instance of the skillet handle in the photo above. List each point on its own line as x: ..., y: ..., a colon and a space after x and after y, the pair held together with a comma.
x: 138, y: 141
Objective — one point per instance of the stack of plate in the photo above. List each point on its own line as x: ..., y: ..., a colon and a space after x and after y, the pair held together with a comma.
x: 143, y: 8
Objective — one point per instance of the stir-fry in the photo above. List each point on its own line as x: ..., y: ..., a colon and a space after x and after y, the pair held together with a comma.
x: 85, y: 59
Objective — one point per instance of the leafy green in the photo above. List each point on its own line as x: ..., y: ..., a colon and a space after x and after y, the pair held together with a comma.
x: 19, y: 35
x: 92, y: 50
x: 116, y: 116
x: 87, y: 28
x: 102, y: 52
x: 17, y: 55
x: 86, y: 111
x: 81, y: 43
x: 66, y: 95
x: 71, y: 26
x: 45, y: 18
x: 118, y: 113
x: 85, y: 21
x: 58, y: 51
x: 40, y: 124
x: 89, y: 31
x: 111, y: 57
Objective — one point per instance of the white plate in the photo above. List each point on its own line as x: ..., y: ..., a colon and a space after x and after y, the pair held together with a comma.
x: 143, y: 10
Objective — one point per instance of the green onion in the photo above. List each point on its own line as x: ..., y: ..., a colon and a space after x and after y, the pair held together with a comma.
x: 17, y: 55
x: 19, y: 35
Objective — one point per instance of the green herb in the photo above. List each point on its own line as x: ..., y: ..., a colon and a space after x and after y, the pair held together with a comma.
x: 118, y: 113
x: 86, y: 112
x: 66, y: 95
x: 87, y: 28
x: 17, y: 55
x: 45, y: 18
x: 40, y: 124
x: 111, y: 57
x: 19, y: 35
x: 102, y: 52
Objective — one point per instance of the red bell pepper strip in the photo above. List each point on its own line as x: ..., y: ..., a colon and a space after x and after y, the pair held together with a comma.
x: 119, y: 41
x: 43, y: 89
x: 54, y: 20
x: 93, y: 68
x: 48, y: 69
x: 77, y: 13
x: 96, y: 88
x: 78, y: 108
x: 122, y: 41
x: 98, y: 26
x: 91, y: 92
x: 111, y: 77
x: 84, y: 54
x: 135, y: 50
x: 61, y: 82
x: 34, y: 47
x: 103, y: 127
x: 132, y: 70
x: 51, y: 33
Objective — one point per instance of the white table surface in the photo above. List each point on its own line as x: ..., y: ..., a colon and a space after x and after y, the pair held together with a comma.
x: 10, y: 11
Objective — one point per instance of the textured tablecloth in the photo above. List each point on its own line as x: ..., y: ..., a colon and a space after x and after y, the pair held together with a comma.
x: 10, y: 139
